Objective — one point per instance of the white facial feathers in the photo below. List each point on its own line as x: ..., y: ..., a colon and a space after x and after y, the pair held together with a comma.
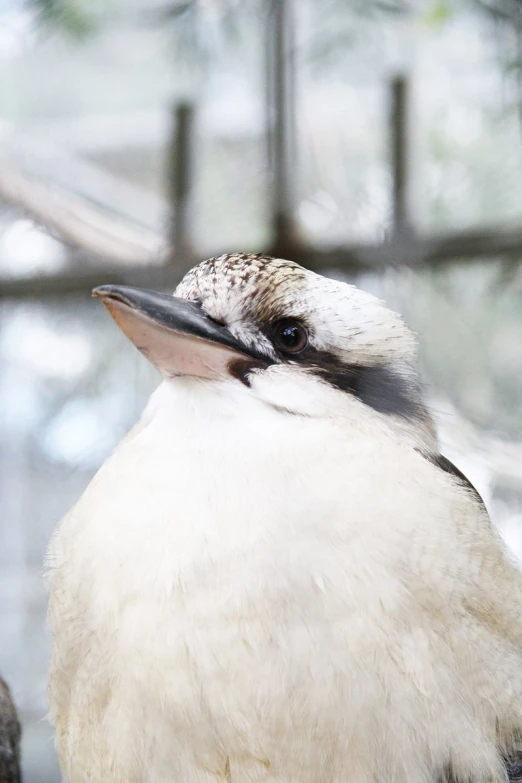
x: 246, y: 293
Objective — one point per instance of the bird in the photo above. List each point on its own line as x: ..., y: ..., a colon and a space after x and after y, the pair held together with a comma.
x: 277, y: 576
x: 10, y: 736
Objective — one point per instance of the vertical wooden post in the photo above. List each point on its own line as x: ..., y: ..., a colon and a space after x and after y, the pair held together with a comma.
x: 180, y: 174
x: 400, y: 154
x: 281, y: 135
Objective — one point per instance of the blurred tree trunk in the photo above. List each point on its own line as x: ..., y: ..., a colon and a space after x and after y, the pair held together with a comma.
x: 10, y: 734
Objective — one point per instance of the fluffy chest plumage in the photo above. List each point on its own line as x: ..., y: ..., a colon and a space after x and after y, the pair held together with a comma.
x: 242, y: 595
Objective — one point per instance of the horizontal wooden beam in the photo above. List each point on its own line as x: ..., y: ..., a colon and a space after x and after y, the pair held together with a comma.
x: 408, y: 251
x: 81, y: 281
x: 418, y: 252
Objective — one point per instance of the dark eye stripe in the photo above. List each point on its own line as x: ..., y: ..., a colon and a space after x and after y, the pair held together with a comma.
x: 514, y: 772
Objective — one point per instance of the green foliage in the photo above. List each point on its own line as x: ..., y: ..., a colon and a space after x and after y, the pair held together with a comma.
x: 438, y: 13
x: 73, y: 17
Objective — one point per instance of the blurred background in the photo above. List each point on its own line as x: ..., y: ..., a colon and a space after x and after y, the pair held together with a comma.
x: 375, y: 141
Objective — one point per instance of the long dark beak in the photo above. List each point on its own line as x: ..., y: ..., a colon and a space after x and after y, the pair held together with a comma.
x: 176, y: 335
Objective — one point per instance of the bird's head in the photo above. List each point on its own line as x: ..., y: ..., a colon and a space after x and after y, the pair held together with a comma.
x: 294, y: 338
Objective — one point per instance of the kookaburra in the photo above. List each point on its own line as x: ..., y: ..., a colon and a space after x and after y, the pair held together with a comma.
x: 276, y: 576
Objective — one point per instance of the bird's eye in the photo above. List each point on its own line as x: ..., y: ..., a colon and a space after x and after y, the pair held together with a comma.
x: 289, y: 336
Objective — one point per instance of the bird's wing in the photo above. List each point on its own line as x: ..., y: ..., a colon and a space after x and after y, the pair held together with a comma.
x: 513, y: 764
x: 9, y: 738
x: 447, y: 466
